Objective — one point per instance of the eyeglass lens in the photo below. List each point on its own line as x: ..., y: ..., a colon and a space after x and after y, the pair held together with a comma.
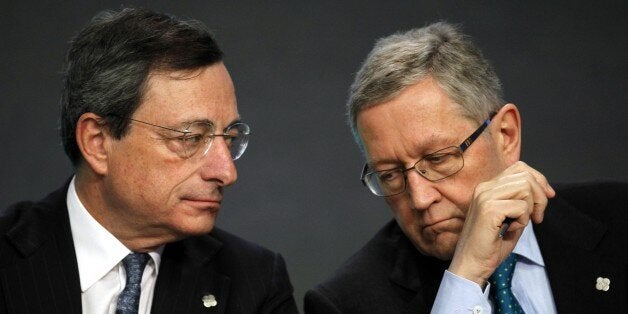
x: 199, y: 137
x: 237, y: 136
x: 435, y: 166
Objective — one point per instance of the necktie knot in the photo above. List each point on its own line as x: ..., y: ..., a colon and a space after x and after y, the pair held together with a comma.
x: 129, y: 299
x: 503, y: 298
x: 502, y: 277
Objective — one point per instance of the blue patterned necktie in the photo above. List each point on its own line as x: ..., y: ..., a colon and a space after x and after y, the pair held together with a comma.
x: 129, y: 299
x: 503, y: 299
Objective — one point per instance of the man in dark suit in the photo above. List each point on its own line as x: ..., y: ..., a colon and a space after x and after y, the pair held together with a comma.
x: 150, y: 122
x: 443, y: 150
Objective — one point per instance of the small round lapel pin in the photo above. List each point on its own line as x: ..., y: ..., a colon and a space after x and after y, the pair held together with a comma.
x: 209, y: 300
x: 602, y: 284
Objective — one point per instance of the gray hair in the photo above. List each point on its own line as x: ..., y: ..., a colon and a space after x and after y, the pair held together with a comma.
x: 438, y: 50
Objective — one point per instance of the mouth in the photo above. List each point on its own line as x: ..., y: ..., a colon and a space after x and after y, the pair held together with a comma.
x: 212, y: 205
x: 453, y: 224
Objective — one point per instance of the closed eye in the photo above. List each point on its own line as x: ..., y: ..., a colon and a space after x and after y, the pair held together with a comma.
x: 388, y: 175
x: 191, y: 138
x: 437, y: 158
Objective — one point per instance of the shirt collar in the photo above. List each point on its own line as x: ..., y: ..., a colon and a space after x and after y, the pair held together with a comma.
x: 528, y: 247
x: 97, y: 250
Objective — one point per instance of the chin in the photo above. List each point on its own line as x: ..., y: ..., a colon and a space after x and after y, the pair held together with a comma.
x: 194, y: 226
x: 442, y: 247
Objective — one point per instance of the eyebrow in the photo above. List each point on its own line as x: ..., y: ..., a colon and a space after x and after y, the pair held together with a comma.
x: 429, y: 147
x: 186, y: 123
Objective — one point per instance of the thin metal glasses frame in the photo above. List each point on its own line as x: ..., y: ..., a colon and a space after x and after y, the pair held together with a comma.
x: 462, y: 147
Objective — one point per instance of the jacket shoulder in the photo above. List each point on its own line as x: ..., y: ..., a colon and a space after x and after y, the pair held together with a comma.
x: 26, y: 225
x: 10, y: 215
x: 362, y: 279
x: 237, y: 248
x: 10, y: 219
x: 595, y: 190
x: 257, y: 270
x: 603, y: 201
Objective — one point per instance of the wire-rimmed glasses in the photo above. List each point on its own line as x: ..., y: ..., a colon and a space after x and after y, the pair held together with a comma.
x: 196, y: 138
x: 434, y: 167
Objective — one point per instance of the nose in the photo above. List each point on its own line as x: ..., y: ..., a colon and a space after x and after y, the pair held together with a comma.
x: 422, y: 192
x: 218, y: 165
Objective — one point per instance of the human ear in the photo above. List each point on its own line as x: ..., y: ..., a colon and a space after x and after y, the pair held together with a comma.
x: 92, y: 137
x: 507, y: 129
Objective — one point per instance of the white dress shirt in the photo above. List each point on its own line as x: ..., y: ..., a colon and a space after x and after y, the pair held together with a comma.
x: 530, y: 285
x: 99, y: 255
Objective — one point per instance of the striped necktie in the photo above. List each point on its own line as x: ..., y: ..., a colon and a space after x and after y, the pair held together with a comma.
x: 503, y: 298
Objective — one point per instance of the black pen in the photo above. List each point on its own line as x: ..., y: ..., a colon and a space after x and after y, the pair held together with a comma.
x: 504, y: 227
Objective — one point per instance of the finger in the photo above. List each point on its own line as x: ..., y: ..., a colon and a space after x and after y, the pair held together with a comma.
x: 519, y: 192
x: 521, y: 166
x: 500, y: 210
x: 509, y: 216
x: 528, y: 187
x: 539, y: 195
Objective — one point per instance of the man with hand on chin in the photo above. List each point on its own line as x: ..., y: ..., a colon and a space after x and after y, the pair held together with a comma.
x: 150, y: 122
x: 475, y: 229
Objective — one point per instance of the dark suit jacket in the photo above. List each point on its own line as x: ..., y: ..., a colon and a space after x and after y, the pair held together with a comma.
x: 584, y: 236
x: 39, y: 272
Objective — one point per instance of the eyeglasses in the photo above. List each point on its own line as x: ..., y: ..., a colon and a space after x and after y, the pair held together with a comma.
x: 434, y: 167
x: 198, y: 137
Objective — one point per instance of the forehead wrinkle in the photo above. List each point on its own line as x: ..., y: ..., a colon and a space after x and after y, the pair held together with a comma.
x: 418, y: 148
x: 437, y: 141
x: 413, y: 149
x: 379, y: 141
x: 419, y: 121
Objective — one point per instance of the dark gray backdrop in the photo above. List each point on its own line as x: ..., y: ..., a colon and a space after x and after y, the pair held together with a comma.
x: 298, y: 192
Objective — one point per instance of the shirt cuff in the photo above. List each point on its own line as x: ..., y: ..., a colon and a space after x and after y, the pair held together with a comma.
x: 460, y: 295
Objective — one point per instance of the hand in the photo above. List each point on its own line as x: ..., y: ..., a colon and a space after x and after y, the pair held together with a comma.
x: 519, y: 192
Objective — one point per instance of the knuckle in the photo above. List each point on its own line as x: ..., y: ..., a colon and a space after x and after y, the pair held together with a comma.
x: 520, y: 165
x: 480, y: 189
x: 480, y: 198
x: 522, y: 205
x: 542, y: 202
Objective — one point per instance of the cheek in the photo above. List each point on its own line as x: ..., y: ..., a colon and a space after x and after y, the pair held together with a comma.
x: 395, y: 204
x: 159, y: 181
x: 458, y: 190
x: 403, y: 212
x: 147, y: 175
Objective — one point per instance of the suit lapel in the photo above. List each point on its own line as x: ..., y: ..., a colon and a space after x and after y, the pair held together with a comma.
x: 43, y: 276
x: 186, y: 279
x: 569, y: 242
x: 418, y: 285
